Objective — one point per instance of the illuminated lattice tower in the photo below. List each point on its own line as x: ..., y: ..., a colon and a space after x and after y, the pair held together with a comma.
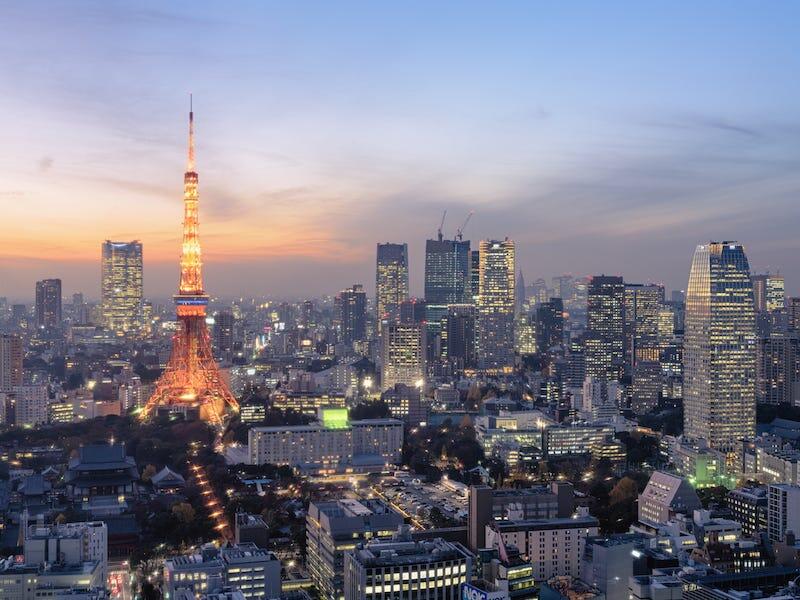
x: 192, y: 379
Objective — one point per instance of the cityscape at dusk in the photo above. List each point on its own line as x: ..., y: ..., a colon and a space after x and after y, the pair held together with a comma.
x: 582, y: 133
x: 419, y: 301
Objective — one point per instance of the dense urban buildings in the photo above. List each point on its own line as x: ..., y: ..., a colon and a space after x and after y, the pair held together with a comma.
x: 121, y: 288
x: 720, y: 347
x: 479, y: 424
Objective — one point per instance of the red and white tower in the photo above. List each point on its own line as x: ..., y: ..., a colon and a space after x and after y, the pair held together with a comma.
x: 192, y: 379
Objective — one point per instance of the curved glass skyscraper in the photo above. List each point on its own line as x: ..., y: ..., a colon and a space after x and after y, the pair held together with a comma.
x: 720, y: 348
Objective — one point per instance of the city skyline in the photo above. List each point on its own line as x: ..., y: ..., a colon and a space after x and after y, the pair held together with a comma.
x: 318, y: 144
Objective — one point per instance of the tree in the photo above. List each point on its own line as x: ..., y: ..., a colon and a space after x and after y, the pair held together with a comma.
x: 148, y: 473
x: 625, y: 490
x: 370, y: 410
x: 183, y: 511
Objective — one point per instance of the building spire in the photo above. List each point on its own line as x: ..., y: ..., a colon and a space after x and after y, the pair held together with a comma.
x: 190, y: 164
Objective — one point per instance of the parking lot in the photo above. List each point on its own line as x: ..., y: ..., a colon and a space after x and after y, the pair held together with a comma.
x: 416, y: 500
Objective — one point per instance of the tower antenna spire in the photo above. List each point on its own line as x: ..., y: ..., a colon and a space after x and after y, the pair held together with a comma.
x: 190, y: 164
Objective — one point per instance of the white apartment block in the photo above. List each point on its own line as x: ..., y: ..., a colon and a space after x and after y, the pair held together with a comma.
x: 31, y: 405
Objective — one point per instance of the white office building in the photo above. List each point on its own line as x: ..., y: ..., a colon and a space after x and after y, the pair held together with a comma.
x: 553, y: 546
x: 783, y: 510
x: 333, y: 445
x: 402, y: 569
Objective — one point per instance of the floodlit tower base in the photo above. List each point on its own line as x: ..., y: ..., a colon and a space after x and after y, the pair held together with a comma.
x: 192, y: 382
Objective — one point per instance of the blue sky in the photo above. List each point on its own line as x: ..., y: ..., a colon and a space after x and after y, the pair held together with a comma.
x: 602, y: 137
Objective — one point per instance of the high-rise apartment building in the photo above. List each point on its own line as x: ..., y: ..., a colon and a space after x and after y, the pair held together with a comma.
x: 447, y: 278
x: 496, y: 303
x: 121, y: 286
x: 643, y: 303
x: 720, y: 348
x: 404, y: 352
x: 48, y: 303
x: 351, y: 308
x: 10, y: 362
x: 391, y: 281
x: 604, y: 343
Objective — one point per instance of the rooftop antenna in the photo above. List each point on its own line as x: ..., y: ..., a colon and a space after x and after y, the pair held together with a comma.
x: 190, y: 166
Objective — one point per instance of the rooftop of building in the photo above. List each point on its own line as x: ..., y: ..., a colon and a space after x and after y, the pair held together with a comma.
x: 102, y: 457
x: 543, y: 524
x: 402, y: 550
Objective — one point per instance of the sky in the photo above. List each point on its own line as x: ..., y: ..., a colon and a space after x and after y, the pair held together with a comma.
x: 603, y: 137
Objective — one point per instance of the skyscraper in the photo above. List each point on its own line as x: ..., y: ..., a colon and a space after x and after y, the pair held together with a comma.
x: 352, y: 308
x: 643, y: 302
x: 391, y: 281
x: 121, y: 286
x: 447, y: 278
x: 10, y: 362
x: 496, y: 303
x: 404, y: 346
x: 769, y: 292
x: 48, y: 303
x: 720, y: 348
x: 191, y: 380
x: 223, y: 334
x: 458, y: 336
x: 520, y: 291
x: 549, y: 324
x: 778, y: 362
x: 605, y: 330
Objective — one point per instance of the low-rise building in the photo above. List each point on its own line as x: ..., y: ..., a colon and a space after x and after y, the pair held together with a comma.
x: 67, y: 543
x: 251, y: 570
x: 332, y: 445
x: 748, y: 506
x: 572, y: 439
x: 665, y: 496
x: 488, y: 505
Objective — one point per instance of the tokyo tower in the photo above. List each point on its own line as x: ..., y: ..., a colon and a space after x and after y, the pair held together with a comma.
x: 191, y: 380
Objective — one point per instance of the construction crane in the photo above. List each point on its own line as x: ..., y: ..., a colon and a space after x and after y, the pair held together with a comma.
x: 460, y: 231
x: 439, y: 231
